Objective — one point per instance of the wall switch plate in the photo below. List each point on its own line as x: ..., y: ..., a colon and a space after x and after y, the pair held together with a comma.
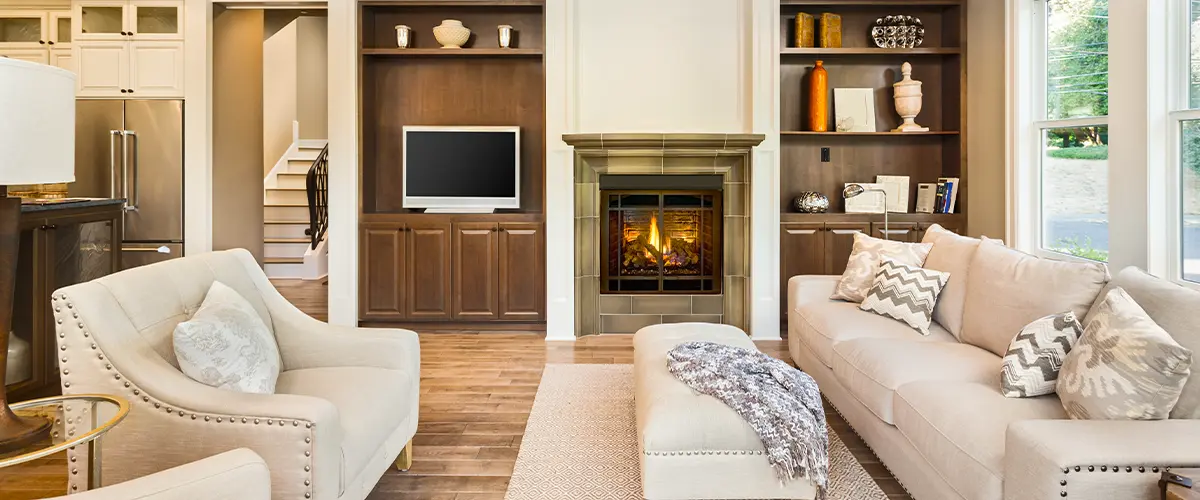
x: 824, y: 155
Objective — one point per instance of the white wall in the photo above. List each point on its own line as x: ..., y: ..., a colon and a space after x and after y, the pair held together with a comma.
x: 279, y: 93
x: 312, y: 76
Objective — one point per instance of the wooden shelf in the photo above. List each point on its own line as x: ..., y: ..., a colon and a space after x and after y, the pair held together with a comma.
x: 868, y: 51
x: 440, y: 52
x: 867, y: 134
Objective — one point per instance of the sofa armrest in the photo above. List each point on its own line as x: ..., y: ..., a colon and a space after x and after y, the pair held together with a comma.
x: 234, y: 475
x: 307, y: 343
x: 1118, y: 459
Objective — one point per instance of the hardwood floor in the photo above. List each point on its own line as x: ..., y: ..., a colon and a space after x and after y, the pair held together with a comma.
x: 476, y: 393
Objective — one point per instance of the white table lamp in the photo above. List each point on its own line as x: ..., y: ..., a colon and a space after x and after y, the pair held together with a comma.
x: 37, y: 146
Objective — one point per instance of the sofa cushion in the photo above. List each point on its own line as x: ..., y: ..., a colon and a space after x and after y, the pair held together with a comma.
x: 371, y: 403
x: 1007, y: 290
x: 905, y: 293
x: 1036, y: 355
x: 823, y: 322
x: 226, y: 344
x: 960, y: 427
x: 1172, y: 307
x: 872, y: 369
x: 952, y: 254
x: 864, y: 263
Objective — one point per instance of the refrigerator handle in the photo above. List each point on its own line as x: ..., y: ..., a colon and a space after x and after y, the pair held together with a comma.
x: 112, y: 161
x: 131, y: 194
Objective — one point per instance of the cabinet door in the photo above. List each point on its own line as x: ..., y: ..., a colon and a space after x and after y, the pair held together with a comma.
x: 381, y: 281
x: 522, y: 271
x: 475, y: 273
x: 40, y: 56
x: 26, y: 29
x: 61, y: 58
x: 102, y: 69
x: 100, y: 20
x: 156, y: 19
x: 952, y: 226
x: 801, y: 251
x: 908, y: 232
x: 61, y: 30
x: 156, y: 69
x: 427, y: 283
x: 839, y: 242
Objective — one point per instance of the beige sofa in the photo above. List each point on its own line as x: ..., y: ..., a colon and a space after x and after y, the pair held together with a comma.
x: 931, y: 409
x: 345, y: 404
x: 234, y: 475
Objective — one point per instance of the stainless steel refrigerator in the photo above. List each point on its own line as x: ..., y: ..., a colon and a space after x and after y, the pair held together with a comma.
x: 134, y: 150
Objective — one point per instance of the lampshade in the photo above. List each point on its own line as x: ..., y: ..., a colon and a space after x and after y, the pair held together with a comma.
x: 37, y: 123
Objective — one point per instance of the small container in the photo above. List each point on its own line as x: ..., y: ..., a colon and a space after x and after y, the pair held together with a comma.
x: 831, y: 31
x: 805, y: 32
x: 505, y: 32
x: 451, y: 34
x: 403, y: 36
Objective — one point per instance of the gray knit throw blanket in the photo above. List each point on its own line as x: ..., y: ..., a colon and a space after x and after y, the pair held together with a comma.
x: 782, y: 404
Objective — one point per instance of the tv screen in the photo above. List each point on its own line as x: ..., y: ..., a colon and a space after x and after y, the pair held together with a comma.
x: 461, y: 167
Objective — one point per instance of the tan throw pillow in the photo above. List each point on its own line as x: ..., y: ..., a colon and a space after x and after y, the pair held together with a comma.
x: 1125, y: 367
x: 227, y: 345
x: 952, y: 254
x: 864, y: 263
x: 1007, y: 290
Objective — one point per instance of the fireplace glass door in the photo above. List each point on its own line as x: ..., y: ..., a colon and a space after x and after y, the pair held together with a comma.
x: 661, y: 242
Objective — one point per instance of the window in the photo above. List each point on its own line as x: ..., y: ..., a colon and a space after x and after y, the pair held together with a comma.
x: 1072, y: 123
x: 1184, y: 178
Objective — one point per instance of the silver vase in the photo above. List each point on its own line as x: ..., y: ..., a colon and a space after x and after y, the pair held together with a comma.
x: 811, y: 202
x: 403, y: 36
x: 505, y: 33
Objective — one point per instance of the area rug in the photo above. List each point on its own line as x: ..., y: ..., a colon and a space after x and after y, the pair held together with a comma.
x: 581, y: 442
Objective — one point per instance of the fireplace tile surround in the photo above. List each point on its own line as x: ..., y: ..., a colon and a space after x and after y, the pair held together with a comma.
x: 727, y: 155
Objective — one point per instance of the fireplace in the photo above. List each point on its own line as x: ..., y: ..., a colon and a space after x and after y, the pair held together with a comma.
x: 661, y: 242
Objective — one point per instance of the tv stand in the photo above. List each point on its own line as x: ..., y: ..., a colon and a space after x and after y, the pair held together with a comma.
x: 464, y: 210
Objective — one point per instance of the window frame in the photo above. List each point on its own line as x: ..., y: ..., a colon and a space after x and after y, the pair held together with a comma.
x: 1178, y: 76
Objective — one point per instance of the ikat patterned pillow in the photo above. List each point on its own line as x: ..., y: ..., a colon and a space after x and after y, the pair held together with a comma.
x: 906, y: 293
x: 864, y: 262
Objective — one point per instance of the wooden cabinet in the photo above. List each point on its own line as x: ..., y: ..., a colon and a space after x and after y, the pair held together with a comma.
x: 121, y: 20
x: 908, y: 232
x: 103, y: 69
x: 802, y: 251
x: 130, y: 49
x: 37, y: 36
x: 452, y: 269
x: 475, y: 274
x: 839, y: 242
x: 522, y: 271
x: 427, y: 283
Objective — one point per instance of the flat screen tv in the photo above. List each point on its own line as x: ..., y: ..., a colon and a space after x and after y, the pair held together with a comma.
x: 462, y: 169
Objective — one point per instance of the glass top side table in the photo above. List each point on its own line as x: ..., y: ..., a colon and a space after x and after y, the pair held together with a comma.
x: 75, y: 420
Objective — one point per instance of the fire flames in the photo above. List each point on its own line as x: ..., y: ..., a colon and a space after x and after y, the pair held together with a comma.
x: 653, y: 240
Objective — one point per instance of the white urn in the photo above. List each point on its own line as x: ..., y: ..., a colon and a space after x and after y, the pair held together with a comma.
x: 451, y: 34
x: 908, y: 101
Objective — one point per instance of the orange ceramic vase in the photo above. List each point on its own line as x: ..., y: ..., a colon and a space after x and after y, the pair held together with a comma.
x: 818, y: 99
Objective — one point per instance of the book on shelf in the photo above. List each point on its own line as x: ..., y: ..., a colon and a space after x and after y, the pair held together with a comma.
x: 926, y: 194
x: 947, y: 195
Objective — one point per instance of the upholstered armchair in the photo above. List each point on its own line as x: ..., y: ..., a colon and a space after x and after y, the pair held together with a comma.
x: 345, y: 405
x: 234, y: 475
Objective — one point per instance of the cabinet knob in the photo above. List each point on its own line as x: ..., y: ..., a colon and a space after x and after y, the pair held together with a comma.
x: 122, y: 91
x: 124, y: 33
x: 51, y: 42
x: 130, y: 91
x: 43, y: 42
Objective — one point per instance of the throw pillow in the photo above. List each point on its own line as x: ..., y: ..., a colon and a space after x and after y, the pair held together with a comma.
x: 952, y: 254
x: 904, y: 292
x: 864, y: 263
x: 1125, y: 367
x: 1008, y: 289
x: 227, y: 345
x: 1036, y: 355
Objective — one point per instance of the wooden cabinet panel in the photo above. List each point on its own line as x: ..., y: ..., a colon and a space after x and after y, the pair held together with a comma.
x: 909, y: 232
x: 475, y: 274
x: 919, y: 233
x: 382, y: 284
x: 156, y: 69
x: 839, y: 241
x: 103, y: 69
x: 802, y: 251
x: 427, y: 284
x: 522, y: 271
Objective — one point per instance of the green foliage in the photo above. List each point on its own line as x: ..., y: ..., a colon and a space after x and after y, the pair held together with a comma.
x: 1191, y: 145
x: 1083, y: 153
x: 1077, y: 58
x: 1081, y: 248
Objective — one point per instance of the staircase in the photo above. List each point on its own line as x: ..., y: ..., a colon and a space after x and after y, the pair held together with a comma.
x: 287, y: 250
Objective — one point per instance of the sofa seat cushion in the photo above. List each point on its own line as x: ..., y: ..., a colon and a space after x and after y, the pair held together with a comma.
x: 872, y: 369
x: 371, y: 404
x: 824, y: 322
x: 960, y: 427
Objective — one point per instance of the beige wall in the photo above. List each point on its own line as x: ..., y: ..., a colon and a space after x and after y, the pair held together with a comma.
x: 312, y: 76
x: 985, y: 118
x: 279, y: 92
x: 237, y: 131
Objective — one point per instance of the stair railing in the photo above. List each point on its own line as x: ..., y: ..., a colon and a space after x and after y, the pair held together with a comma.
x: 317, y: 185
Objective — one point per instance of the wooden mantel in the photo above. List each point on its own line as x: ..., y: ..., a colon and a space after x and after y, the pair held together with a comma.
x: 718, y: 142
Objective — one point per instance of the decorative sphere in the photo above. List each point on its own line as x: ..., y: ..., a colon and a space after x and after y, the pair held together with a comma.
x: 811, y: 202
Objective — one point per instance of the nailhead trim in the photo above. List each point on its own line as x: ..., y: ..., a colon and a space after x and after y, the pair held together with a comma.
x: 1104, y: 468
x: 699, y: 452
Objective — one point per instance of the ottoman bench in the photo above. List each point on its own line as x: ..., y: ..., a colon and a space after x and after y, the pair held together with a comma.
x: 693, y: 446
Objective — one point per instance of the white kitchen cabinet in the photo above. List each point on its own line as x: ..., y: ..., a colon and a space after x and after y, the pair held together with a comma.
x: 24, y: 29
x: 156, y: 69
x: 60, y: 25
x: 63, y: 58
x: 40, y: 56
x: 134, y: 20
x: 102, y: 69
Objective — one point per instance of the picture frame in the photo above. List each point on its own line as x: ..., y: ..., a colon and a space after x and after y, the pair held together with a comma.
x: 854, y: 109
x: 897, y: 192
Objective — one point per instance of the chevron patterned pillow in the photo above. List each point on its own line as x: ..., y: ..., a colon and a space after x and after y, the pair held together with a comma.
x: 1036, y: 355
x: 906, y: 293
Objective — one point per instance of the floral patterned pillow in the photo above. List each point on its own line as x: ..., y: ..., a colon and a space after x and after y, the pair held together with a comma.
x: 1125, y: 367
x: 227, y: 345
x: 864, y: 262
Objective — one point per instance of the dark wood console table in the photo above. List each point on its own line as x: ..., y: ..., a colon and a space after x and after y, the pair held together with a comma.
x: 61, y: 245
